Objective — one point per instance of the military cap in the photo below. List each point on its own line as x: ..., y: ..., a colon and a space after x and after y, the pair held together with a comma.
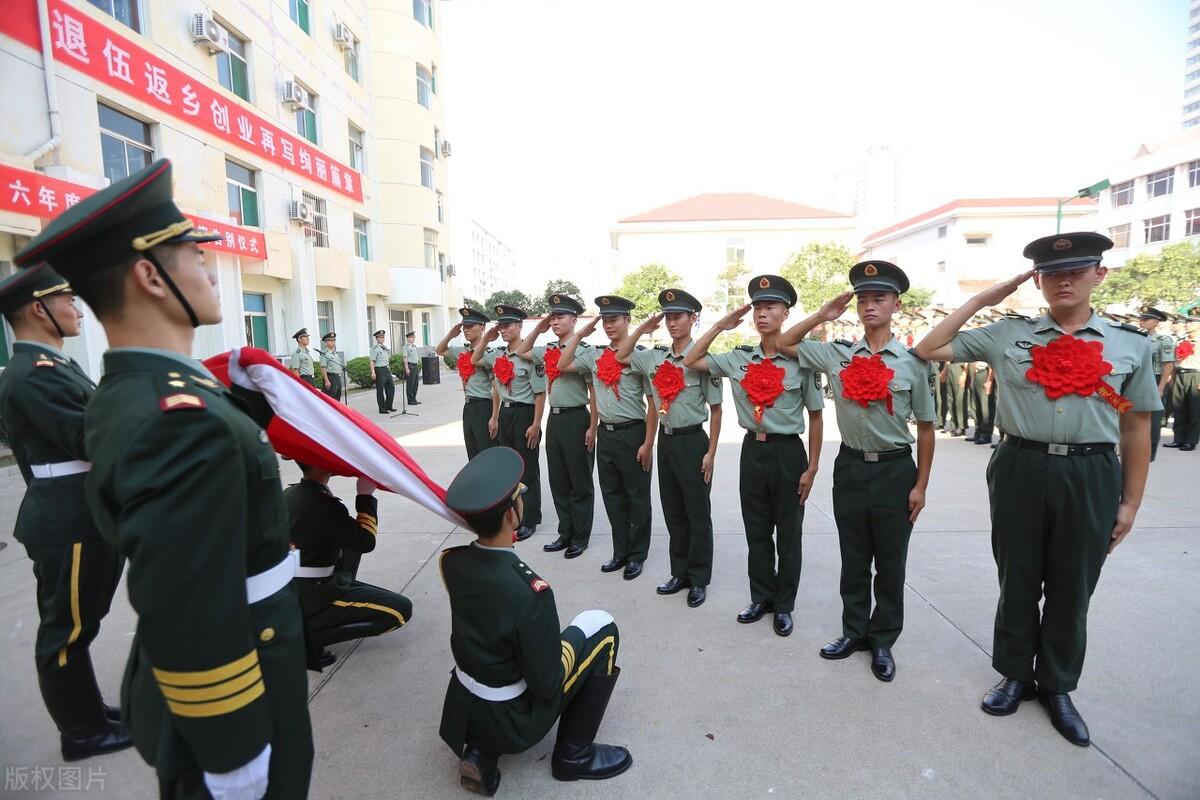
x: 127, y: 218
x: 564, y: 304
x: 1150, y: 312
x: 771, y: 288
x: 488, y: 485
x: 410, y: 335
x: 611, y: 305
x: 299, y: 333
x: 329, y: 336
x: 26, y: 285
x: 381, y: 333
x: 506, y: 313
x: 878, y: 276
x: 672, y: 300
x: 471, y: 316
x: 1065, y: 251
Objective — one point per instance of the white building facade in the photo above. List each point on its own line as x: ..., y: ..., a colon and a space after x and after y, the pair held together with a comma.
x: 483, y: 263
x: 1191, y: 75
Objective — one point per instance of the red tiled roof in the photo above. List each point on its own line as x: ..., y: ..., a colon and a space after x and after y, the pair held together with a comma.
x: 995, y: 202
x: 731, y: 206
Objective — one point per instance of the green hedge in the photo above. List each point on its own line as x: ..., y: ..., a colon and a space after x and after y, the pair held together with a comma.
x: 360, y: 371
x: 397, y: 366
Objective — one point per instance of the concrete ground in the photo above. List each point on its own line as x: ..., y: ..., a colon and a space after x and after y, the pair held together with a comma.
x: 709, y: 707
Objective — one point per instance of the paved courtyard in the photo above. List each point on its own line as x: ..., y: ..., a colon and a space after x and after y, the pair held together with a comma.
x: 708, y: 707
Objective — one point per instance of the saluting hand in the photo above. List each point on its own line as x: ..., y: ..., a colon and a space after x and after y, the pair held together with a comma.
x: 455, y: 329
x: 997, y: 293
x: 834, y: 308
x: 543, y: 325
x: 733, y: 318
x: 493, y: 333
x: 651, y: 323
x: 590, y: 328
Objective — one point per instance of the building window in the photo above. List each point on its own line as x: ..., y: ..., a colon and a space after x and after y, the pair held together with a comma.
x: 1193, y: 174
x: 426, y: 328
x: 423, y: 12
x: 1188, y: 123
x: 356, y: 148
x: 1119, y: 235
x: 324, y: 317
x: 298, y: 11
x: 1190, y: 107
x: 243, y: 195
x: 316, y: 231
x: 1160, y: 183
x: 232, y: 70
x: 1191, y: 76
x: 306, y: 116
x: 441, y: 208
x: 1158, y: 229
x: 401, y: 324
x: 437, y: 142
x: 433, y: 78
x: 430, y: 249
x: 424, y: 86
x: 350, y: 60
x: 977, y: 238
x: 1195, y: 26
x: 427, y: 169
x: 1122, y: 194
x: 254, y: 315
x: 941, y: 266
x: 362, y: 245
x: 124, y: 144
x: 123, y: 11
x: 371, y: 323
x: 942, y: 232
x: 1192, y: 218
x: 1192, y: 60
x: 735, y: 252
x: 1192, y: 92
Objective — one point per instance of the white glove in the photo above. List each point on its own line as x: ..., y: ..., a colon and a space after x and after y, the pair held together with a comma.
x: 366, y: 486
x: 247, y: 782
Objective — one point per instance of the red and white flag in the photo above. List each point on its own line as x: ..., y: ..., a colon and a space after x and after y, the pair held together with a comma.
x: 313, y: 428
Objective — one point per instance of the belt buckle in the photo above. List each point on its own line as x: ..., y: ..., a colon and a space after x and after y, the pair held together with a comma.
x: 556, y: 411
x: 668, y: 430
x: 1059, y: 449
x: 872, y: 457
x: 760, y: 437
x: 610, y: 428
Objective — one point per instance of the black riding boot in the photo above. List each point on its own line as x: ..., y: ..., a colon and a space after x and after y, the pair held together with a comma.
x: 576, y: 755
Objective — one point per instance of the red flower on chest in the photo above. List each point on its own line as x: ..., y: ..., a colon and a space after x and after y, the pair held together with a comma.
x: 1069, y: 365
x: 608, y: 370
x: 763, y: 383
x: 551, y: 357
x: 866, y: 379
x: 668, y: 382
x: 503, y: 370
x: 1184, y: 350
x: 465, y: 368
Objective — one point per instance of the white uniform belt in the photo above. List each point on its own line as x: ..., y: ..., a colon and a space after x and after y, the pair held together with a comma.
x: 59, y: 470
x: 266, y: 583
x: 314, y: 572
x: 494, y: 693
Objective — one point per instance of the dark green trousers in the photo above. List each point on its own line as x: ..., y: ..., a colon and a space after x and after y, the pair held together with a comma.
x: 342, y: 601
x: 1052, y: 519
x: 625, y: 487
x: 569, y: 464
x: 1156, y: 420
x: 686, y: 505
x: 513, y: 422
x: 476, y: 413
x: 773, y: 517
x: 956, y: 407
x: 939, y: 399
x: 983, y: 405
x: 870, y: 505
x: 1186, y: 403
x: 385, y: 389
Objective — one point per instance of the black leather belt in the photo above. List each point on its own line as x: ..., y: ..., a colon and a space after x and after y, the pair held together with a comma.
x: 1185, y: 370
x: 667, y: 430
x: 1059, y: 449
x: 515, y: 404
x: 471, y: 399
x: 620, y: 426
x: 880, y: 455
x: 566, y: 409
x: 769, y: 437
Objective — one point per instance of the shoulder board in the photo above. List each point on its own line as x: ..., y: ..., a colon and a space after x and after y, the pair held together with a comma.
x: 748, y: 348
x: 844, y: 342
x: 640, y: 347
x: 585, y: 344
x: 180, y: 401
x: 42, y: 362
x: 601, y: 347
x: 1015, y: 315
x: 536, y: 584
x: 662, y: 347
x: 1125, y: 326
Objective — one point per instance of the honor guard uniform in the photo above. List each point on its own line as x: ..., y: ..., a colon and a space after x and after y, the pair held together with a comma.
x: 412, y: 367
x: 682, y: 398
x: 624, y: 485
x: 332, y: 365
x: 477, y: 389
x: 514, y: 672
x: 43, y: 396
x: 186, y: 485
x: 302, y: 363
x: 385, y: 385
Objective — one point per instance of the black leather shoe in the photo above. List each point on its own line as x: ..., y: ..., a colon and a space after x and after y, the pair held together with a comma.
x: 632, y: 570
x: 108, y: 738
x: 1005, y: 697
x: 525, y: 531
x: 672, y: 586
x: 112, y: 713
x: 1172, y: 444
x: 882, y: 664
x: 1186, y: 448
x: 1064, y: 717
x: 984, y: 441
x: 327, y: 658
x: 478, y: 772
x: 754, y: 612
x: 696, y: 596
x: 783, y: 623
x: 843, y: 647
x: 577, y: 755
x: 613, y: 564
x: 574, y: 551
x: 558, y: 544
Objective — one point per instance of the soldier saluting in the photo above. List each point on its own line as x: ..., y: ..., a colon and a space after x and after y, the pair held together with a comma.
x: 481, y: 404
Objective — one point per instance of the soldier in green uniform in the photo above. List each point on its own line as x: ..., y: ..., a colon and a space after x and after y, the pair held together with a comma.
x: 1162, y: 356
x: 43, y: 395
x: 682, y: 398
x: 186, y: 485
x: 1185, y: 394
x: 771, y: 391
x: 878, y: 491
x: 625, y: 449
x: 938, y: 387
x: 571, y: 429
x: 385, y: 385
x: 412, y: 367
x: 522, y: 388
x: 1061, y: 501
x: 983, y: 401
x: 514, y: 672
x: 303, y: 365
x: 332, y: 365
x: 337, y: 606
x: 956, y: 393
x: 481, y: 407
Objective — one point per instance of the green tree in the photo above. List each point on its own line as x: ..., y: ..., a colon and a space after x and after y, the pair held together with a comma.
x: 509, y: 297
x: 538, y: 305
x: 731, y: 291
x: 819, y: 273
x: 1172, y: 277
x: 471, y: 302
x: 917, y: 297
x: 643, y: 285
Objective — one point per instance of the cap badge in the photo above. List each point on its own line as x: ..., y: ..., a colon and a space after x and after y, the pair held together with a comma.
x: 670, y: 295
x: 556, y: 299
x: 871, y: 270
x: 764, y: 283
x: 604, y: 301
x: 499, y: 309
x: 1063, y: 244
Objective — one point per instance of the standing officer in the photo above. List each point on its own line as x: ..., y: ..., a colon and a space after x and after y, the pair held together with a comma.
x: 682, y: 398
x: 385, y: 386
x: 43, y: 395
x: 333, y: 366
x: 626, y: 445
x: 1075, y: 388
x: 1162, y: 354
x: 522, y: 388
x: 956, y: 390
x: 877, y: 489
x: 571, y: 429
x: 412, y: 367
x: 302, y: 363
x: 983, y: 401
x: 771, y: 391
x: 937, y: 386
x: 1185, y: 396
x: 514, y: 672
x: 186, y: 484
x: 481, y: 407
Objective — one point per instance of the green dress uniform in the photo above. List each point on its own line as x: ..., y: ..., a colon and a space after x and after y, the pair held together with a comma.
x: 983, y: 402
x: 1185, y: 398
x: 334, y: 368
x: 477, y: 408
x: 385, y: 385
x: 303, y: 362
x: 412, y: 371
x: 956, y: 396
x: 938, y: 387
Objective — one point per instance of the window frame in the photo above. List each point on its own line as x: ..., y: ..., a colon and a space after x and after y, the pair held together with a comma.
x: 1191, y: 222
x: 1193, y: 169
x: 427, y: 168
x: 325, y: 322
x: 317, y: 231
x: 265, y: 314
x: 243, y: 188
x: 1160, y: 178
x: 230, y: 56
x: 1122, y: 194
x: 431, y: 248
x: 294, y: 13
x: 362, y: 237
x: 425, y: 82
x: 310, y: 107
x: 109, y: 7
x: 423, y: 12
x: 146, y: 146
x: 358, y: 149
x: 351, y: 62
x: 1120, y: 235
x: 1161, y: 222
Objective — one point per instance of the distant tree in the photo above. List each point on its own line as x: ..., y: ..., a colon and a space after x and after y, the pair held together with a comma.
x: 538, y: 305
x: 730, y: 289
x: 471, y: 302
x: 917, y: 297
x: 1171, y: 278
x: 511, y: 297
x: 643, y: 285
x: 819, y: 273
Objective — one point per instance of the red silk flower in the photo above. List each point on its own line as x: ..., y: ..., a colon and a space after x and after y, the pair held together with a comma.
x: 552, y: 371
x: 763, y: 383
x: 465, y: 368
x: 668, y: 380
x: 1184, y: 350
x: 503, y: 370
x: 1069, y: 365
x: 608, y: 370
x: 866, y: 379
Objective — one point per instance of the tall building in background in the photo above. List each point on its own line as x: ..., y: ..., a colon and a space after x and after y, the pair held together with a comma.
x: 877, y: 196
x: 309, y: 133
x: 485, y: 264
x: 1191, y: 78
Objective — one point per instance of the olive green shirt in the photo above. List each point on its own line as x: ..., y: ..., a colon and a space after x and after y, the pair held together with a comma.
x: 786, y: 414
x: 480, y: 382
x: 1192, y: 361
x: 1162, y: 351
x: 1023, y: 406
x: 700, y: 389
x: 331, y: 360
x: 569, y: 389
x: 628, y: 402
x: 380, y: 355
x: 873, y: 429
x: 302, y: 361
x: 410, y: 354
x: 528, y: 380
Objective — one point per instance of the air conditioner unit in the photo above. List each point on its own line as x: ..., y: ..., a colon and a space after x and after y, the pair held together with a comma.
x: 342, y: 36
x: 446, y: 151
x: 208, y: 33
x: 300, y: 211
x: 295, y: 95
x: 450, y: 270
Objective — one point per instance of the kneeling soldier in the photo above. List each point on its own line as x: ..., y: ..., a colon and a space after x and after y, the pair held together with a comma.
x: 508, y: 687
